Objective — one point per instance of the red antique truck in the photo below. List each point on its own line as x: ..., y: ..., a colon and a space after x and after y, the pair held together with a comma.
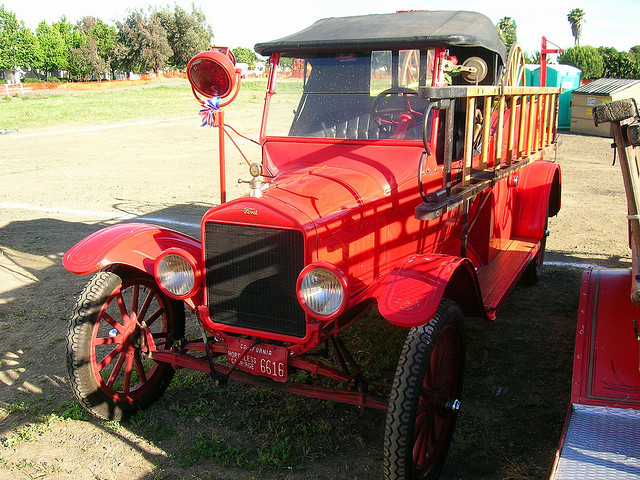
x: 601, y: 438
x: 404, y: 166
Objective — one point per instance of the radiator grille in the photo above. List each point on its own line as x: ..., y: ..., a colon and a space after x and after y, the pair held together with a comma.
x: 251, y: 275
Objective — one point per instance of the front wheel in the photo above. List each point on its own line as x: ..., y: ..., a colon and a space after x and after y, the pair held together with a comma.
x: 118, y: 319
x: 424, y: 400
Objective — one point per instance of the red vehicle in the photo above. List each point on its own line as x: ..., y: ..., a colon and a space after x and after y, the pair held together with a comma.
x: 402, y: 167
x: 600, y: 438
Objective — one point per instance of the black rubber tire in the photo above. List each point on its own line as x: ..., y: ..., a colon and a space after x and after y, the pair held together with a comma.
x: 532, y: 273
x: 93, y: 336
x: 413, y: 405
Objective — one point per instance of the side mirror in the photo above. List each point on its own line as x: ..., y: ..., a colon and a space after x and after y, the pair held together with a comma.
x: 212, y: 74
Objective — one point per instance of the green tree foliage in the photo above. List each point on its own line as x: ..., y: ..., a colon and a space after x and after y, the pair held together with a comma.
x: 245, y: 55
x: 285, y: 63
x: 85, y: 63
x: 53, y: 48
x: 507, y: 29
x: 576, y: 18
x: 634, y: 56
x: 66, y: 29
x: 618, y: 64
x: 104, y: 35
x: 17, y: 43
x: 187, y: 32
x: 585, y: 58
x: 533, y: 57
x: 144, y: 42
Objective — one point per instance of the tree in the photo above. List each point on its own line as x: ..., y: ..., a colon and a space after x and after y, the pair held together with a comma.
x: 245, y: 55
x: 17, y: 43
x: 507, y: 30
x: 84, y: 60
x: 99, y: 48
x: 585, y: 58
x: 618, y: 64
x: 187, y: 32
x: 144, y: 42
x: 575, y: 18
x: 53, y: 48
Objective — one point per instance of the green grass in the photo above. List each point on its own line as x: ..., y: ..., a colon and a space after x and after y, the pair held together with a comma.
x: 158, y: 99
x: 208, y: 446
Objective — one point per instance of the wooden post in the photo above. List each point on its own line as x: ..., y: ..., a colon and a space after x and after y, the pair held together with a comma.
x: 499, y: 134
x: 486, y: 130
x: 468, y: 140
x: 512, y: 128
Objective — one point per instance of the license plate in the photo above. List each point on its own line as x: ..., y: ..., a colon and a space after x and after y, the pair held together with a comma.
x: 261, y: 359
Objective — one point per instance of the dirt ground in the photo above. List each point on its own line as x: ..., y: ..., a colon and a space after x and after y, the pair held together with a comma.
x: 56, y: 187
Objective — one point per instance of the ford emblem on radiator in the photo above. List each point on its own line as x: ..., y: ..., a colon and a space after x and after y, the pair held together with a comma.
x: 250, y: 211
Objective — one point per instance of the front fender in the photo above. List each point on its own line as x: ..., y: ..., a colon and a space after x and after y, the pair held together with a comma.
x: 411, y: 293
x: 132, y: 244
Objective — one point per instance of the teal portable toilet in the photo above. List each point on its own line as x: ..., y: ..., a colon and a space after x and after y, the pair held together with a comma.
x: 567, y: 77
x: 530, y: 72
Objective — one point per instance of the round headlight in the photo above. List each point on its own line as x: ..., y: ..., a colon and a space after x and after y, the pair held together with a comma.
x: 322, y: 291
x: 175, y: 275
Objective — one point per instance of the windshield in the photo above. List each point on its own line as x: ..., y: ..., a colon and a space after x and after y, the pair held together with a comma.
x: 370, y: 95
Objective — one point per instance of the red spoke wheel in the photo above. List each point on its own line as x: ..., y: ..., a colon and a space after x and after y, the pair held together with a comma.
x: 119, y: 318
x: 424, y: 400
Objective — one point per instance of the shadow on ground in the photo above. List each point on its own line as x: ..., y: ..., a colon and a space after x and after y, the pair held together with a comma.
x: 516, y: 392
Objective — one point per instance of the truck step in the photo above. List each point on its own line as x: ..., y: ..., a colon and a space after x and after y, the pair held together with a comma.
x: 498, y: 277
x: 600, y: 443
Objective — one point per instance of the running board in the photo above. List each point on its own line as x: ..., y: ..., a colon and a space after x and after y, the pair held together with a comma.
x: 599, y: 443
x: 499, y: 277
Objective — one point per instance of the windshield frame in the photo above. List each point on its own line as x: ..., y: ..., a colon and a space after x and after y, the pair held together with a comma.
x: 403, y: 71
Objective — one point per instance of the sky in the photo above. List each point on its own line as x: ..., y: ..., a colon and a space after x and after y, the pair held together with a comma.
x: 244, y: 23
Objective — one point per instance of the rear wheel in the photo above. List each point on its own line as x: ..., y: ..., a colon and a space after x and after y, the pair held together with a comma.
x: 119, y: 318
x: 532, y: 273
x: 424, y: 401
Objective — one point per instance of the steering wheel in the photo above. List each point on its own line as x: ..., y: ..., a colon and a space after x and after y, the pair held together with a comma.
x: 394, y: 111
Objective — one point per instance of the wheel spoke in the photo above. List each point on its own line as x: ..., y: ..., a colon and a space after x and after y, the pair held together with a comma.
x: 155, y: 316
x: 123, y: 308
x: 134, y: 299
x: 116, y: 371
x: 127, y: 373
x: 107, y: 340
x: 110, y: 320
x: 109, y: 358
x: 152, y: 339
x: 145, y: 306
x: 140, y: 367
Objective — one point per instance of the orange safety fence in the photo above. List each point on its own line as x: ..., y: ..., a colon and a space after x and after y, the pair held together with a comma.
x: 18, y: 89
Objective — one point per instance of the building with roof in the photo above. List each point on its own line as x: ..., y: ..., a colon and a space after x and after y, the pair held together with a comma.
x: 603, y: 90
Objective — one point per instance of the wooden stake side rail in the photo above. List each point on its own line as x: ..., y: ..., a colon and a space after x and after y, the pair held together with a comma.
x: 624, y: 117
x: 505, y: 129
x: 630, y: 167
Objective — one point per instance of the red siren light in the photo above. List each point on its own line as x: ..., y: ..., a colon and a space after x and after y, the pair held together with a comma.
x: 213, y: 74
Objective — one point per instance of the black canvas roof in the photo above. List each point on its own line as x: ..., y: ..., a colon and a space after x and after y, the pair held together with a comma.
x: 393, y: 30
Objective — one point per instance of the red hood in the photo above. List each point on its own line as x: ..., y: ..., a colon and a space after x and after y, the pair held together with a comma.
x: 326, y: 193
x: 324, y: 187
